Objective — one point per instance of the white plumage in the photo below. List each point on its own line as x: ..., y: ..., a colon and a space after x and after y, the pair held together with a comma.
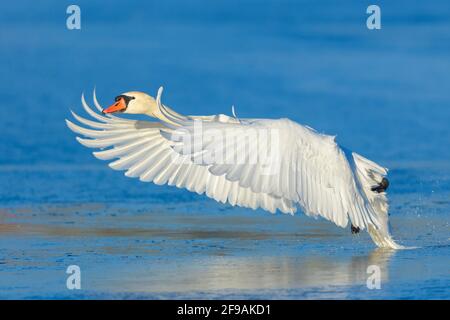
x: 304, y: 168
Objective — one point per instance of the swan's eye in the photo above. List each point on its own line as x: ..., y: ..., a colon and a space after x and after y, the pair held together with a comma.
x: 127, y: 99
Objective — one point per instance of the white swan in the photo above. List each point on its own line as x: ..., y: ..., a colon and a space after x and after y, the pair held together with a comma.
x: 304, y: 168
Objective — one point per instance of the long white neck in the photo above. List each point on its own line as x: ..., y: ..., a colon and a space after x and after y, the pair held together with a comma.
x: 155, y: 112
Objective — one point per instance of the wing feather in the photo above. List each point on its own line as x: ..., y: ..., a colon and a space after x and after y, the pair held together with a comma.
x: 312, y: 170
x: 140, y: 148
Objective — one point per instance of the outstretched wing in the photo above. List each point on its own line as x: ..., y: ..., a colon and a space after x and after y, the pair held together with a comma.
x: 276, y: 157
x: 139, y: 148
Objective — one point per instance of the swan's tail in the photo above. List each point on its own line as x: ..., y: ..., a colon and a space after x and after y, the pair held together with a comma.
x: 371, y: 178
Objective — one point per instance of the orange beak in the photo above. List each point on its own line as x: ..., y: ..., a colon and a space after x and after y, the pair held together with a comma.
x: 120, y: 105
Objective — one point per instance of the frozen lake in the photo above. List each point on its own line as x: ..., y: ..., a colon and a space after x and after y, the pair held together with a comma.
x: 386, y: 94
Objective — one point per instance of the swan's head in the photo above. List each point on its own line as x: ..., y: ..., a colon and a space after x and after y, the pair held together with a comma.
x: 133, y: 102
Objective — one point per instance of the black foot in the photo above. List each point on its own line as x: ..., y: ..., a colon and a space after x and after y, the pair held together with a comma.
x: 384, y: 184
x: 355, y: 230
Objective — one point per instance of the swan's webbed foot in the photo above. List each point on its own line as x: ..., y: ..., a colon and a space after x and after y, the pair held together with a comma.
x: 381, y: 187
x: 355, y: 230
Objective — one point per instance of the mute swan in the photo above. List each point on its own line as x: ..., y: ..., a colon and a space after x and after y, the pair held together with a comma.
x: 305, y: 169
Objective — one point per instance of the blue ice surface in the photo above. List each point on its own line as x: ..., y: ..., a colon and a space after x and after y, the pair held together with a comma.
x: 385, y: 93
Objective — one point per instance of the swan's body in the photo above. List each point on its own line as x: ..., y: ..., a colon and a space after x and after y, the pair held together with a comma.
x: 310, y: 172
